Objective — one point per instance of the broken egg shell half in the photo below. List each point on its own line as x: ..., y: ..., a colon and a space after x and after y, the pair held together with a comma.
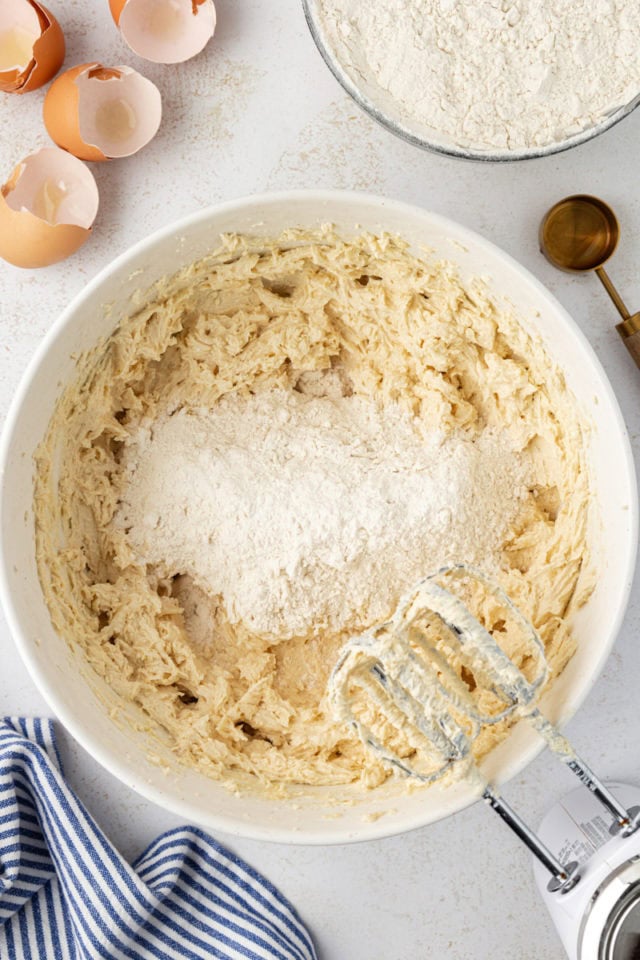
x: 165, y: 31
x: 101, y: 113
x: 47, y: 208
x: 31, y: 46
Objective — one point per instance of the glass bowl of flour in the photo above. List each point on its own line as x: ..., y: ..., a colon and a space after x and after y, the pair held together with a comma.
x: 481, y: 79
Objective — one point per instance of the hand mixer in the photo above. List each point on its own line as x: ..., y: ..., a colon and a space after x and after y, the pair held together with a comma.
x: 398, y: 678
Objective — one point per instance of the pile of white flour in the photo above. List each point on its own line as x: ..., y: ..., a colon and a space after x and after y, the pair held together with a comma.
x: 508, y: 74
x: 304, y: 512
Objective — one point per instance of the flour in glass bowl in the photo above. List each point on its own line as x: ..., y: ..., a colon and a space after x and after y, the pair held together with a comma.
x: 303, y: 512
x: 491, y: 74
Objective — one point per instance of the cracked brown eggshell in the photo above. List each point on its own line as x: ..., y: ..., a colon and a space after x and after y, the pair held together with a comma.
x: 34, y: 35
x: 101, y: 113
x: 165, y: 31
x: 47, y: 208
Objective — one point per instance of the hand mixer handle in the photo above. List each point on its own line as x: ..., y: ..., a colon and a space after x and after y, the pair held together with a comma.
x: 626, y: 821
x: 564, y: 877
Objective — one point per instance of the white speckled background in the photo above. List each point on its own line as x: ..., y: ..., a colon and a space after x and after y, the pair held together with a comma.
x: 258, y: 111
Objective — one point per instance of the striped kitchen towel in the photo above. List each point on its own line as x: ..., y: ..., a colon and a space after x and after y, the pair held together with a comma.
x: 67, y: 894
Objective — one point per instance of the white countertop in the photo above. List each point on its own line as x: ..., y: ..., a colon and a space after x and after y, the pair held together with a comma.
x: 260, y: 111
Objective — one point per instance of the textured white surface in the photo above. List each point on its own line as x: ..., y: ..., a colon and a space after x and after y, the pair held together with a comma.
x: 258, y: 110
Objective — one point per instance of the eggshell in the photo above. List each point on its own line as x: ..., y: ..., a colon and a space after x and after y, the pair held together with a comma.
x: 47, y: 209
x: 116, y: 7
x: 47, y: 52
x: 165, y: 31
x: 98, y: 113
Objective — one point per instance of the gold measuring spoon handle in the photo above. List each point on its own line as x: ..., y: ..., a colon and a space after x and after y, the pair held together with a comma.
x: 606, y: 282
x: 629, y: 328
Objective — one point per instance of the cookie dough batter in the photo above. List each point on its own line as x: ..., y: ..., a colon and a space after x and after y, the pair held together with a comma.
x: 248, y: 707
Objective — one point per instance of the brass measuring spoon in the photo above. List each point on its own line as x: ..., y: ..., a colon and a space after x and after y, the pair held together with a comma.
x: 580, y: 233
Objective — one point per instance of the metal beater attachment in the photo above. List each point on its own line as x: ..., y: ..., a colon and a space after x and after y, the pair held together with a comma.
x: 422, y: 687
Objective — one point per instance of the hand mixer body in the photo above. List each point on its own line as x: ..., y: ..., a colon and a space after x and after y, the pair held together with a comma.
x: 599, y: 919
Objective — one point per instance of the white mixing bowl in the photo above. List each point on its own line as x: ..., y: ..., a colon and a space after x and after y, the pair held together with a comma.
x: 81, y: 701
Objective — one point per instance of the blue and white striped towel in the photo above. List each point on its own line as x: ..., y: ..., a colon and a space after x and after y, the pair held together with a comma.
x: 67, y: 894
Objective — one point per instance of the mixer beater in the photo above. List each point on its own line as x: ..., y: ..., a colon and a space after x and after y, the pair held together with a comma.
x: 420, y: 688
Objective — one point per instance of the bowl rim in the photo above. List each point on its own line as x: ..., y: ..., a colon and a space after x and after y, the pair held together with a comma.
x: 404, y: 132
x: 27, y: 649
